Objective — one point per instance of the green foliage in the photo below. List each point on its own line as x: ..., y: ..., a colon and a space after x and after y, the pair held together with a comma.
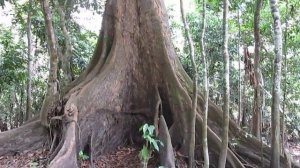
x: 13, y: 56
x: 213, y: 40
x: 82, y: 156
x: 151, y: 144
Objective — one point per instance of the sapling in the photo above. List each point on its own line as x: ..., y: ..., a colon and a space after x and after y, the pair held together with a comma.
x: 152, y: 144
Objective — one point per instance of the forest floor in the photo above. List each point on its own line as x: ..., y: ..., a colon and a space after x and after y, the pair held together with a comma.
x: 123, y: 157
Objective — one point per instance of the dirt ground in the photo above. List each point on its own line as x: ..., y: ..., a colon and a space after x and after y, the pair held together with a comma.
x: 122, y: 158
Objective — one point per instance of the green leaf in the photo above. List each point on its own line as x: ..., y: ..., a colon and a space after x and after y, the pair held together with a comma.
x: 145, y: 127
x: 153, y: 143
x: 81, y: 153
x: 151, y: 129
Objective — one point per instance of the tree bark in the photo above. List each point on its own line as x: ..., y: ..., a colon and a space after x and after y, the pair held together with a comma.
x: 275, y: 158
x: 52, y: 94
x: 66, y: 56
x: 206, y: 88
x: 29, y: 65
x: 257, y: 107
x: 223, y: 155
x: 240, y: 72
x: 192, y: 117
x: 284, y: 104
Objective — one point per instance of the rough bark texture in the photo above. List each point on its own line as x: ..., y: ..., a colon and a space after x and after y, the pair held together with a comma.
x: 257, y: 107
x: 192, y: 117
x: 275, y: 123
x: 226, y: 95
x: 116, y: 94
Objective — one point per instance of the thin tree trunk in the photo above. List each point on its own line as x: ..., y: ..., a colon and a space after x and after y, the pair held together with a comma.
x: 240, y: 71
x: 65, y: 57
x: 21, y: 117
x: 16, y: 107
x: 194, y: 96
x: 52, y: 90
x: 29, y: 65
x: 275, y: 146
x: 285, y: 80
x: 206, y: 89
x: 223, y: 154
x: 257, y: 107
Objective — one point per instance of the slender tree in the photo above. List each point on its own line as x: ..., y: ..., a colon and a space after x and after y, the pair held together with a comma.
x: 276, y: 93
x: 223, y: 154
x: 206, y: 89
x: 29, y: 65
x: 240, y: 70
x: 285, y: 77
x: 65, y: 57
x: 52, y: 90
x: 194, y: 96
x: 257, y: 107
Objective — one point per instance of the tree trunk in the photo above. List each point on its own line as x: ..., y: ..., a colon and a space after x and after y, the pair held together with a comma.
x: 29, y: 65
x: 206, y: 88
x: 115, y: 95
x: 21, y: 116
x: 257, y: 107
x: 284, y: 104
x: 223, y: 155
x: 192, y: 117
x: 240, y: 71
x: 52, y: 94
x: 65, y: 57
x: 275, y: 158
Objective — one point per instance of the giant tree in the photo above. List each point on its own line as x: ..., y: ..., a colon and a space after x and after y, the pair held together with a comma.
x: 133, y: 64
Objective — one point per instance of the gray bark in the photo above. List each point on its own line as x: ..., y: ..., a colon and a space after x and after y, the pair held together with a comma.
x: 257, y: 107
x: 194, y: 96
x: 276, y: 93
x: 52, y: 90
x: 223, y: 154
x: 29, y: 65
x: 206, y: 88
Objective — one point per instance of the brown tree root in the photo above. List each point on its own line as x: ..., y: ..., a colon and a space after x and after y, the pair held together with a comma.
x: 166, y: 154
x: 27, y: 138
x: 67, y: 155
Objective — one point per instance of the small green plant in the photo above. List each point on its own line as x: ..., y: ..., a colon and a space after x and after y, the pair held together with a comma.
x: 151, y: 143
x: 83, y: 156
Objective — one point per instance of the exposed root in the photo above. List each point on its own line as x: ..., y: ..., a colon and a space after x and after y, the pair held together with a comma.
x: 67, y: 155
x: 166, y: 154
x: 27, y: 138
